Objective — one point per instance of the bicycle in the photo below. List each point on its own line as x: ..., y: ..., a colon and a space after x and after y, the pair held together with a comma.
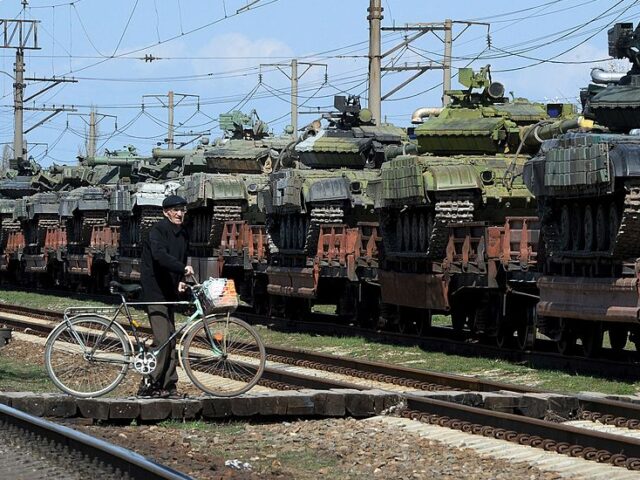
x: 89, y: 353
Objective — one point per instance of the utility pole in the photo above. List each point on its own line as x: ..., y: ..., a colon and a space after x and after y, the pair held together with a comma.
x: 446, y: 62
x: 375, y: 87
x: 294, y: 77
x: 94, y: 120
x: 170, y: 104
x: 23, y: 35
x: 170, y: 108
x: 419, y: 29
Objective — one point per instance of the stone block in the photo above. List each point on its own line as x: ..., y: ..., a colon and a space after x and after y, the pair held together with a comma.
x: 383, y: 399
x: 60, y: 406
x: 329, y: 404
x: 186, y: 409
x: 216, y: 407
x: 299, y: 404
x: 123, y: 409
x: 273, y: 403
x: 359, y: 404
x: 245, y: 406
x: 6, y: 398
x: 154, y: 409
x: 29, y: 403
x: 93, y: 408
x: 501, y: 402
x: 538, y: 405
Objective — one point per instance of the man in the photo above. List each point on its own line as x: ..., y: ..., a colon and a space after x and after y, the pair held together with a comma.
x: 164, y: 265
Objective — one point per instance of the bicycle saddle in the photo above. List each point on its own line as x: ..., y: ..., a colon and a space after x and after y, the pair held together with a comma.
x: 117, y: 287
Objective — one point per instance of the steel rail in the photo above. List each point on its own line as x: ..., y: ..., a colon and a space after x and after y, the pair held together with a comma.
x: 117, y: 457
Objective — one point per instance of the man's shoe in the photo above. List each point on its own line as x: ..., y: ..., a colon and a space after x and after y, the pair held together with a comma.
x: 145, y: 389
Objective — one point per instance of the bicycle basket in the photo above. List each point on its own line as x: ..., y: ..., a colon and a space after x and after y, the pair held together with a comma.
x: 217, y: 295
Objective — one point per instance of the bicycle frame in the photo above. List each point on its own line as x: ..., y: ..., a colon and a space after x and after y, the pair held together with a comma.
x: 124, y: 309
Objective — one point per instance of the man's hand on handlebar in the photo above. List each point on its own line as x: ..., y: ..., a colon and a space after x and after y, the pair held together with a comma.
x: 188, y: 270
x: 182, y: 287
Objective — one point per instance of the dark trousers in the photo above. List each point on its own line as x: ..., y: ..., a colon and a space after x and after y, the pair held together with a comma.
x: 163, y: 326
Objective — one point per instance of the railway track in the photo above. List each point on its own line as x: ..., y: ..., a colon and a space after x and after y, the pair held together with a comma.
x: 291, y: 368
x: 593, y: 428
x: 38, y: 449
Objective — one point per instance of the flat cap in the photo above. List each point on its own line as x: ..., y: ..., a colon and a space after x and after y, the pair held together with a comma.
x: 173, y: 201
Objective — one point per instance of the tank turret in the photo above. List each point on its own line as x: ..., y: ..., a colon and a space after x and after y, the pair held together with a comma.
x: 472, y: 154
x: 617, y: 105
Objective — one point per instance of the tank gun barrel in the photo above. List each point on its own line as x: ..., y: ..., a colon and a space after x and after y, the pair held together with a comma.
x: 171, y: 153
x: 112, y: 161
x: 534, y: 135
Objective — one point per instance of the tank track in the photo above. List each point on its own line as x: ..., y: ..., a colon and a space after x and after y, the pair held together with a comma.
x: 222, y: 214
x: 88, y: 220
x: 626, y: 245
x: 148, y: 217
x: 447, y: 210
x: 320, y: 216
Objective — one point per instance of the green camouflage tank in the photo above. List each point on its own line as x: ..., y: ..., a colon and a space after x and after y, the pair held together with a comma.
x: 469, y: 168
x: 326, y: 176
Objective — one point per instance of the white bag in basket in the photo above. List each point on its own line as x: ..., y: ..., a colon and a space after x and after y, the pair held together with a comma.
x: 218, y: 295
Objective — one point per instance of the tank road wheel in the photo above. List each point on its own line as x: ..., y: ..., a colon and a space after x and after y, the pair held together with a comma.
x: 399, y: 243
x: 422, y: 233
x: 565, y: 227
x: 601, y: 229
x: 614, y: 224
x: 406, y: 232
x: 618, y: 338
x: 577, y: 227
x: 589, y: 234
x: 592, y: 339
x: 414, y: 233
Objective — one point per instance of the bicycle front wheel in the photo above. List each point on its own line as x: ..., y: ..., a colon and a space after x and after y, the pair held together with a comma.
x: 87, y: 356
x: 223, y: 356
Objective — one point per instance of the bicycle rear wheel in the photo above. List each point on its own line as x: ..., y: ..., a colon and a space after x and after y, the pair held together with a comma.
x: 87, y: 358
x: 223, y: 356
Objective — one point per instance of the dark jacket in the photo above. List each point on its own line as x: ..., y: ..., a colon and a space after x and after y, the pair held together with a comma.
x: 164, y: 257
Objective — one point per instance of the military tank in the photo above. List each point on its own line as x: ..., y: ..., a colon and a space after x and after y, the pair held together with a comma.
x: 226, y: 226
x: 588, y: 190
x: 320, y: 220
x: 471, y: 155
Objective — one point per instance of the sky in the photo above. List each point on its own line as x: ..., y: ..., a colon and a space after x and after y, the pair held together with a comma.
x: 219, y: 55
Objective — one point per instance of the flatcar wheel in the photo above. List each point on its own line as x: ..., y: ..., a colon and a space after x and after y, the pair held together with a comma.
x: 592, y: 339
x: 589, y: 233
x: 618, y: 338
x: 601, y: 229
x: 526, y: 328
x: 566, y: 344
x: 406, y: 320
x: 424, y: 323
x: 614, y: 224
x: 504, y: 337
x: 458, y: 319
x: 565, y: 227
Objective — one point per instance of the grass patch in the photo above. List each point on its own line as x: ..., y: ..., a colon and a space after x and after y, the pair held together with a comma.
x: 415, y: 357
x: 357, y: 347
x: 18, y: 376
